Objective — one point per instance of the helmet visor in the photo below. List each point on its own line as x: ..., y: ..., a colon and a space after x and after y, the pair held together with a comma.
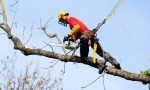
x: 63, y: 22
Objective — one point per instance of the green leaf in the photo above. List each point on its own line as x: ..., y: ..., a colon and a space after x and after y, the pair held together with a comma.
x: 146, y: 72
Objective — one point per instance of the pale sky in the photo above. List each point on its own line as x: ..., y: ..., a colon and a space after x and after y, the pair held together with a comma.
x: 134, y: 14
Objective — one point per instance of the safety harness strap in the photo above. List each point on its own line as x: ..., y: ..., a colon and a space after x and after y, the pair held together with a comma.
x: 94, y: 53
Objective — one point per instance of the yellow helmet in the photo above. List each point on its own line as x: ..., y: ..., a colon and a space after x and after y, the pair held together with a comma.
x: 60, y: 14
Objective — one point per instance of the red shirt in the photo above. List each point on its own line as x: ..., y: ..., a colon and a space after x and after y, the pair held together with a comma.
x: 74, y: 21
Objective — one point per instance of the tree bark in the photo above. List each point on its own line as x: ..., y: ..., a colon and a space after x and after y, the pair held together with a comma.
x: 66, y: 58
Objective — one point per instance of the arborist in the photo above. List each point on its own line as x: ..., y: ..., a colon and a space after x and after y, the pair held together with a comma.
x: 87, y: 38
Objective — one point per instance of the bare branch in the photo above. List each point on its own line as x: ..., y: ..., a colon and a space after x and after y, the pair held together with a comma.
x: 3, y: 34
x: 16, y: 2
x: 15, y: 12
x: 23, y: 33
x: 46, y: 24
x: 51, y: 65
x: 48, y: 45
x: 29, y: 36
x: 67, y: 58
x: 3, y: 12
x: 1, y: 24
x: 51, y: 35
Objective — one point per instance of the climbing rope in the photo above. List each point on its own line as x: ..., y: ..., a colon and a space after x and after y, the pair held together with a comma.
x: 141, y: 51
x: 114, y: 9
x: 109, y: 15
x: 106, y: 17
x: 93, y: 81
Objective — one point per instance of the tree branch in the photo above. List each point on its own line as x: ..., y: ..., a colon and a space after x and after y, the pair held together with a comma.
x: 3, y: 12
x: 44, y: 28
x: 67, y: 58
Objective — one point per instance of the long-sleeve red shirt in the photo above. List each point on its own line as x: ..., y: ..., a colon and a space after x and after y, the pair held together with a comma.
x: 76, y: 26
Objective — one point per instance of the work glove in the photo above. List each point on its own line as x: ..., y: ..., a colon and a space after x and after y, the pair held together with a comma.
x: 66, y: 38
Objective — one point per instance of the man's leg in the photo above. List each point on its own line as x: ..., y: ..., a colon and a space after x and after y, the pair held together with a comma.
x: 105, y: 55
x: 99, y: 51
x: 112, y: 60
x: 84, y: 49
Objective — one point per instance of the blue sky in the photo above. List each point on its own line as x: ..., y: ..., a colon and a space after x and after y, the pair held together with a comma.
x: 134, y: 14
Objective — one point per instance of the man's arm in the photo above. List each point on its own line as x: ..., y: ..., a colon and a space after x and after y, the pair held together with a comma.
x: 74, y: 30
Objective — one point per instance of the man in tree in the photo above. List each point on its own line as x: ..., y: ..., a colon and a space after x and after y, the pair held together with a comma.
x: 87, y: 38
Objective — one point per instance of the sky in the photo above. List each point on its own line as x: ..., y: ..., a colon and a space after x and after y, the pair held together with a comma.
x: 134, y: 14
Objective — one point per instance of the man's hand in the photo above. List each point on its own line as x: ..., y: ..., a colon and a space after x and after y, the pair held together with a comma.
x: 66, y: 38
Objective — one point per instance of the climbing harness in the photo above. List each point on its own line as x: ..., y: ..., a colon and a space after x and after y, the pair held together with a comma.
x: 94, y: 53
x: 94, y: 49
x: 90, y: 35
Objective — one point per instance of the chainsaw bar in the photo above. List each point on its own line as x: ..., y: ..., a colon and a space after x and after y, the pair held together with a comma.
x: 70, y: 46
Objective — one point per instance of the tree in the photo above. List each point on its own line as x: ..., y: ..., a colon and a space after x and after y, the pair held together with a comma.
x: 18, y: 45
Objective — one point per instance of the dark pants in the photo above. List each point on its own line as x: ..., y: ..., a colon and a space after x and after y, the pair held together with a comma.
x: 84, y: 47
x: 84, y: 50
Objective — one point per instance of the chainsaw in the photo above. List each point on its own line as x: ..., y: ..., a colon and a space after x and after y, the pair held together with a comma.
x: 67, y: 44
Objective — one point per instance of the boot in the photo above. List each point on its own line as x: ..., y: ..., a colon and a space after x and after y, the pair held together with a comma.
x: 101, y: 66
x: 84, y: 59
x: 113, y: 61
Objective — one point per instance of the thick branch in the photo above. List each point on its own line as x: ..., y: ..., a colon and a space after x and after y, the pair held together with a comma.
x: 67, y: 58
x: 128, y: 75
